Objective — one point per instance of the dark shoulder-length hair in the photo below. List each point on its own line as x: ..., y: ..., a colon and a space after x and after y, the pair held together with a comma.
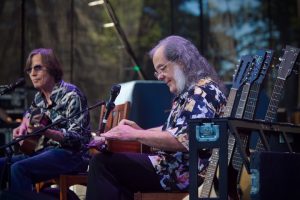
x: 49, y: 60
x: 184, y: 52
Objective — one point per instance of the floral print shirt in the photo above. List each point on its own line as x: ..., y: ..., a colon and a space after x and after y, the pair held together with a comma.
x: 66, y: 99
x: 203, y: 100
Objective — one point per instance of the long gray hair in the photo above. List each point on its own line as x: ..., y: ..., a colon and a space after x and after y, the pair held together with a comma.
x: 183, y: 52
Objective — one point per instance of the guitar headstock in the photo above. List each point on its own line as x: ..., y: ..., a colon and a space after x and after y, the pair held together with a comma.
x: 257, y: 63
x: 240, y: 75
x: 265, y: 66
x: 287, y: 63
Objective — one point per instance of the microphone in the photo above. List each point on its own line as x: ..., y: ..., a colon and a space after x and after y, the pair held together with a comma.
x: 114, y: 92
x: 12, y: 86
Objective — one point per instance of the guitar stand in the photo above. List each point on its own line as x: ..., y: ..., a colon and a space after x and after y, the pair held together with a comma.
x: 263, y: 128
x: 205, y: 134
x: 213, y: 133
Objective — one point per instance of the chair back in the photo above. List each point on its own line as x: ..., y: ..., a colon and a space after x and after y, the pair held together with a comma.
x: 120, y: 112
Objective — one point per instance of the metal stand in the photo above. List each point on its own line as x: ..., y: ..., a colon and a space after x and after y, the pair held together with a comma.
x: 205, y: 134
x: 213, y: 133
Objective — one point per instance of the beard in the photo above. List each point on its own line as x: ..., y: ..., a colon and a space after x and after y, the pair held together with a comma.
x: 180, y: 79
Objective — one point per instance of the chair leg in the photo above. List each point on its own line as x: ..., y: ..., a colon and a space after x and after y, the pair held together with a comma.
x: 63, y: 188
x: 44, y: 184
x: 38, y: 187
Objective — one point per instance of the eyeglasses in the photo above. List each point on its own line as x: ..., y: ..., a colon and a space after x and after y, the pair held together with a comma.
x: 36, y: 68
x: 162, y: 69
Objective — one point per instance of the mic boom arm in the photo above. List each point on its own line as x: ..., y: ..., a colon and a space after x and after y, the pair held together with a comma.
x: 12, y: 86
x: 115, y: 90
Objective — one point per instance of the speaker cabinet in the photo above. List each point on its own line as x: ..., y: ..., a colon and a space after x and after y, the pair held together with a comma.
x: 275, y: 176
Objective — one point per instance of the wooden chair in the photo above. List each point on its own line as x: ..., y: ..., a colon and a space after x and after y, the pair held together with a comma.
x: 120, y: 112
x: 160, y: 195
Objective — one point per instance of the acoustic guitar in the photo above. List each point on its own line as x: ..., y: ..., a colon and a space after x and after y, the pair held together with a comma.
x: 120, y: 112
x: 34, y: 143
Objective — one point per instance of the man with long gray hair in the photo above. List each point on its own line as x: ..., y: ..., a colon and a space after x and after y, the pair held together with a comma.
x: 199, y: 94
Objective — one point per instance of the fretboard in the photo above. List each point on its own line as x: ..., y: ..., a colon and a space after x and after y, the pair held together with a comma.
x: 272, y: 108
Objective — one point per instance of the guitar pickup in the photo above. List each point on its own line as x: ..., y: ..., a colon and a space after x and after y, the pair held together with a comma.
x: 207, y: 132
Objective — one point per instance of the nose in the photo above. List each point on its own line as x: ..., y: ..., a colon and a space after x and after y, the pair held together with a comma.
x: 161, y: 76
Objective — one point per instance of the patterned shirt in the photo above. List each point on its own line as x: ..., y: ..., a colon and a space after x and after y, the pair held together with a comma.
x: 67, y: 100
x: 203, y: 100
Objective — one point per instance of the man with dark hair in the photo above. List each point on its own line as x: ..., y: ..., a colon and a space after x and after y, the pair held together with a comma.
x: 199, y: 94
x: 62, y: 146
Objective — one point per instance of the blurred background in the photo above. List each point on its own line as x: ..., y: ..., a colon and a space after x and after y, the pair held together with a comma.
x: 96, y: 52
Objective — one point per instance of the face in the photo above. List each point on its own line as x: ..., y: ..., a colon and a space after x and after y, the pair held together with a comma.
x: 40, y: 77
x: 169, y: 72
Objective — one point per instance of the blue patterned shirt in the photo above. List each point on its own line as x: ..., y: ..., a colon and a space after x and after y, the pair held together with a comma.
x: 66, y: 99
x: 203, y: 100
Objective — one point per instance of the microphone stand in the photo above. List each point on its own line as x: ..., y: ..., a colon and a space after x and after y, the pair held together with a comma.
x: 109, y: 107
x: 8, y: 147
x: 3, y: 88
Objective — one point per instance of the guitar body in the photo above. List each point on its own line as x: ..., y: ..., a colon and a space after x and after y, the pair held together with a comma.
x: 233, y: 193
x: 120, y: 112
x: 34, y: 143
x: 126, y: 146
x: 245, y: 184
x: 31, y: 145
x: 119, y: 146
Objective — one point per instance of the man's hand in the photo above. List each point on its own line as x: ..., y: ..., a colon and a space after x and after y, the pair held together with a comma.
x: 130, y: 123
x: 97, y: 141
x: 19, y: 131
x: 22, y: 129
x: 122, y: 132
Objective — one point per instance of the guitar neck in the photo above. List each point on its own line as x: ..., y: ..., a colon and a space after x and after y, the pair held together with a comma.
x: 212, y: 167
x: 272, y: 108
x: 239, y: 115
x: 251, y: 101
x: 237, y: 161
x: 210, y: 173
x: 230, y: 102
x: 229, y: 106
x: 242, y: 102
x: 274, y: 102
